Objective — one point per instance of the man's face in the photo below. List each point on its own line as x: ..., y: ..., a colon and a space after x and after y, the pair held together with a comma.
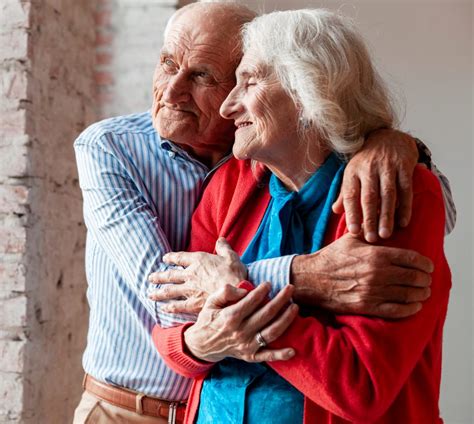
x: 194, y: 76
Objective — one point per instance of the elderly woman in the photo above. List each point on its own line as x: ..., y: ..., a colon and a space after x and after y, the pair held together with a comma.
x: 306, y: 95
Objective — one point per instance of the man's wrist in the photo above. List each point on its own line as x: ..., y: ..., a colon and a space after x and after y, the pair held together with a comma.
x: 307, y: 279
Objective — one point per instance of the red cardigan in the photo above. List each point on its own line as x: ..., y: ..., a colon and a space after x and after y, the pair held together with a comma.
x: 350, y: 368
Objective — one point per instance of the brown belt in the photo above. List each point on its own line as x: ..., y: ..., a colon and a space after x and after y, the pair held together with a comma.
x: 135, y: 402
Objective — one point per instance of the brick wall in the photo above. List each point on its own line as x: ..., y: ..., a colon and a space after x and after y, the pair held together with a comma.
x: 47, y: 98
x: 62, y: 65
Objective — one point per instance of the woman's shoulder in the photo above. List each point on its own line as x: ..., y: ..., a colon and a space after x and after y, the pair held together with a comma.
x: 234, y: 184
x: 425, y: 182
x: 238, y: 176
x: 427, y: 207
x: 235, y: 169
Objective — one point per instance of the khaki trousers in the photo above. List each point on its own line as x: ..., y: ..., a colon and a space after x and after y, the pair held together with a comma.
x: 92, y: 410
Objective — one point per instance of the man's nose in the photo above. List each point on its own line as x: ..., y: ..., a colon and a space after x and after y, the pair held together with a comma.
x: 177, y: 89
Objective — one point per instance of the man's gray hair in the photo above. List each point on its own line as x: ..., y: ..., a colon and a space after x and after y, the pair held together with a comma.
x: 322, y: 61
x: 238, y: 14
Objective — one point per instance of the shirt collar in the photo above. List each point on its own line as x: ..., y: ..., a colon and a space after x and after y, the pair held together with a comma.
x: 175, y: 150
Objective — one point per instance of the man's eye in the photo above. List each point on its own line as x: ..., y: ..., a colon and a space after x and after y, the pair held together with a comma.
x: 202, y: 75
x: 168, y: 64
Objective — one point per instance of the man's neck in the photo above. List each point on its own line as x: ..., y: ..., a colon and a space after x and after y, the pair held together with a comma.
x: 208, y: 157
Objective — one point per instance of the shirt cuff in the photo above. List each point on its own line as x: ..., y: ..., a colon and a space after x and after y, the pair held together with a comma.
x: 275, y: 270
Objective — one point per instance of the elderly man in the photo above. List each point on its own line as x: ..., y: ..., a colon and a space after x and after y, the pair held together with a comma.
x: 142, y: 176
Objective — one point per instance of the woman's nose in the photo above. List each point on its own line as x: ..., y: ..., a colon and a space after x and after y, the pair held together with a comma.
x: 230, y: 106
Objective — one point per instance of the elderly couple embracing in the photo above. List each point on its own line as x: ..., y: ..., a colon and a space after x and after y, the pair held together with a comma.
x: 299, y: 279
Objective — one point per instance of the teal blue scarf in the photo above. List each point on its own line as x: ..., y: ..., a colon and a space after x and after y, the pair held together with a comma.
x: 294, y: 222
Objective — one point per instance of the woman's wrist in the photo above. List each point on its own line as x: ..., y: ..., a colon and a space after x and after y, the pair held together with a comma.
x: 190, y: 344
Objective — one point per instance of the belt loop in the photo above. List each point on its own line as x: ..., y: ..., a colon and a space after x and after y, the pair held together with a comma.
x: 138, y: 403
x: 172, y: 413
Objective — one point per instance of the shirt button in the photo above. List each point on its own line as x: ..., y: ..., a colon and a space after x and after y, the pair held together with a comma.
x: 171, y: 154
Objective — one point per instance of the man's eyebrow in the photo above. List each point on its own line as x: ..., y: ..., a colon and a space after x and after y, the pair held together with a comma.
x: 165, y: 52
x: 203, y: 67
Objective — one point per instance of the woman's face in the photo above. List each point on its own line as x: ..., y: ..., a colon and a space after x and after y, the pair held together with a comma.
x: 265, y: 115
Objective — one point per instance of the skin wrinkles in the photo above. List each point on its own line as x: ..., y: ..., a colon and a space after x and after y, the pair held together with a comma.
x: 192, y: 79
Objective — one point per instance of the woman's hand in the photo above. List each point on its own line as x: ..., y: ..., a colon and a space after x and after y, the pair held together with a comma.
x: 202, y: 274
x: 230, y: 320
x: 375, y: 180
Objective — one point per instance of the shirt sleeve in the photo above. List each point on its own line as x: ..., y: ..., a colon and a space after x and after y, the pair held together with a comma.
x: 275, y: 270
x: 120, y: 220
x: 449, y: 205
x: 425, y: 157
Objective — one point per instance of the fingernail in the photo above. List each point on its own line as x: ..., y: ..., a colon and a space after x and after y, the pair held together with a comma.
x: 371, y: 237
x: 290, y: 353
x: 403, y: 222
x: 354, y: 228
x: 384, y: 232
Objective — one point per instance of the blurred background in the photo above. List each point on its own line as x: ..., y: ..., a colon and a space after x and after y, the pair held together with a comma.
x: 67, y: 63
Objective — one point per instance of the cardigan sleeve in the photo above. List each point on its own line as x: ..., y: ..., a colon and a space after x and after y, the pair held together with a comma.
x: 356, y: 367
x: 170, y: 344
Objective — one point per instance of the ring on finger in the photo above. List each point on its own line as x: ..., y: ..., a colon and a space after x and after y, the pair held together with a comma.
x: 260, y: 340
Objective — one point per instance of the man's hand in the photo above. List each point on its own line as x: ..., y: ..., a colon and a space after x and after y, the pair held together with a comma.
x: 202, y: 274
x: 231, y: 318
x: 377, y: 178
x: 352, y: 277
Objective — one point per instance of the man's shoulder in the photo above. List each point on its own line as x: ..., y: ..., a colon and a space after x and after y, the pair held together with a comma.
x: 113, y: 130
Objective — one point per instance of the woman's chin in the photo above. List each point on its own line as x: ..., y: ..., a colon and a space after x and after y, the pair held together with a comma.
x: 240, y: 154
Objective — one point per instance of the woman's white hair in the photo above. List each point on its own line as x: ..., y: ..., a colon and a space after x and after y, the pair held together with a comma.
x: 322, y: 61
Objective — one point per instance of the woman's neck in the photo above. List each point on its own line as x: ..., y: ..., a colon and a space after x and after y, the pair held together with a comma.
x: 304, y: 162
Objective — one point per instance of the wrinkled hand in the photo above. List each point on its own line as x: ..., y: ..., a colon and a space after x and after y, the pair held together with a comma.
x: 202, y: 274
x: 377, y: 178
x: 230, y: 319
x: 352, y: 277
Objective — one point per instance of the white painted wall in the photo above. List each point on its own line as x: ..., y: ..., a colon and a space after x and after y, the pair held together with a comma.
x: 424, y: 49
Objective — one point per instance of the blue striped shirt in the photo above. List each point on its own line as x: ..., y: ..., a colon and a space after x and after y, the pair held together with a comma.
x: 139, y: 194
